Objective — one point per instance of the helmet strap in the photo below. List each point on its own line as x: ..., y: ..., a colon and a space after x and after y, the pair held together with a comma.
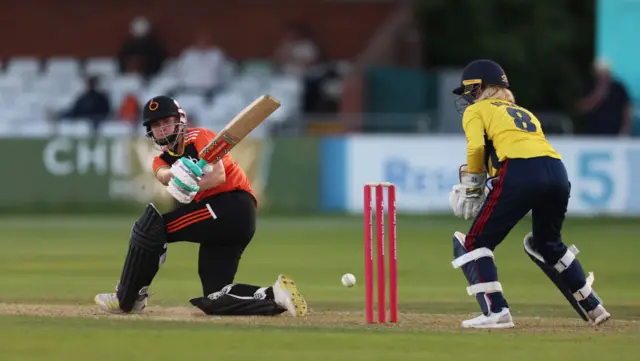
x: 178, y: 148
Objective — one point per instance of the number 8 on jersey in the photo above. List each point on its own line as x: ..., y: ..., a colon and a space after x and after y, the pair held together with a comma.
x: 522, y: 119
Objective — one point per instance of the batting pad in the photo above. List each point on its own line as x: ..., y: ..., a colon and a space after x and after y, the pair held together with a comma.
x: 147, y: 252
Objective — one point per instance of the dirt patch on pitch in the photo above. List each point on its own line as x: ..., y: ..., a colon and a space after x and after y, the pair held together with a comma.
x: 409, y: 322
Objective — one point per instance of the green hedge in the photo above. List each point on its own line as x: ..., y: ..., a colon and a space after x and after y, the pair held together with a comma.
x: 546, y: 46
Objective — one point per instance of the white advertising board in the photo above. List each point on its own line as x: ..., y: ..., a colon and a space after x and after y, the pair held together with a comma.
x: 605, y: 174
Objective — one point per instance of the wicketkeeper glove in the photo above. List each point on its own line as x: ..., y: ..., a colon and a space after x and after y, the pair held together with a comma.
x: 467, y: 197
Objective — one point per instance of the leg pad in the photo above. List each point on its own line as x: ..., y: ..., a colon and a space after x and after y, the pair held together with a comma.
x: 559, y: 275
x: 470, y: 262
x: 147, y: 252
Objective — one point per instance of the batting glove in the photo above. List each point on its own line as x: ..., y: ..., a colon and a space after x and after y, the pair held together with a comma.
x: 184, y: 184
x: 183, y: 193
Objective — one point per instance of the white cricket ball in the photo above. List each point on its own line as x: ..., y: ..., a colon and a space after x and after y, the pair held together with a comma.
x: 208, y: 168
x: 348, y: 280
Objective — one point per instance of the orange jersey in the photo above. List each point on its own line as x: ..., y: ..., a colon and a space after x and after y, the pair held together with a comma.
x: 195, y: 140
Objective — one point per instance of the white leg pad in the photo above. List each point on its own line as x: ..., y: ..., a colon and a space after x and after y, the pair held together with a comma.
x: 586, y: 290
x: 472, y: 256
x: 487, y: 287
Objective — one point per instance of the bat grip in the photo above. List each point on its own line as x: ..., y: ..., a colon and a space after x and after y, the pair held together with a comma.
x: 202, y: 163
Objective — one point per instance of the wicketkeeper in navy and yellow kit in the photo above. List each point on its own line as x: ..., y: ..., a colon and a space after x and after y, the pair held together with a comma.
x: 505, y: 142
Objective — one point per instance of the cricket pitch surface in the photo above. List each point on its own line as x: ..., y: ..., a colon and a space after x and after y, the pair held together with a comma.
x: 414, y: 322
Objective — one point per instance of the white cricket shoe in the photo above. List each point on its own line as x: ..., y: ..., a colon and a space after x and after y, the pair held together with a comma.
x: 501, y: 319
x: 599, y: 315
x: 109, y: 302
x: 286, y: 295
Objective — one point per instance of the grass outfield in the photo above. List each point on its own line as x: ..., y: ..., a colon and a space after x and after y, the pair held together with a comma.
x: 51, y: 269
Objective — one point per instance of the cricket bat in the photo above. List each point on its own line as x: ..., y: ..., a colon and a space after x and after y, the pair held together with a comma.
x: 238, y: 128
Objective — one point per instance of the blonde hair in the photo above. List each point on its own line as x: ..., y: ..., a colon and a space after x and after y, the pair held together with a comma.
x: 496, y: 92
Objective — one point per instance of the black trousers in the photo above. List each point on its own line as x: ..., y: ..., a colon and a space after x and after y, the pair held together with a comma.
x: 223, y: 225
x: 539, y: 185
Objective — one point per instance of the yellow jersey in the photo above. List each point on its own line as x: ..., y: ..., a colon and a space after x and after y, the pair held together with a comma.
x: 497, y: 130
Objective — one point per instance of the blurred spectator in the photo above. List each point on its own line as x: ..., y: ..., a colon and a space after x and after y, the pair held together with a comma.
x: 200, y: 66
x: 142, y: 53
x: 605, y: 104
x: 299, y: 55
x: 129, y: 109
x: 93, y: 104
x: 297, y: 52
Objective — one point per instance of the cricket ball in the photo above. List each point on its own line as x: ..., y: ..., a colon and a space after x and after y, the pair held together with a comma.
x: 348, y: 280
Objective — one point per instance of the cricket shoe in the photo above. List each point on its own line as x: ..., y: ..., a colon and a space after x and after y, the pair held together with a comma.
x: 286, y: 295
x: 109, y: 302
x: 599, y: 315
x: 501, y: 319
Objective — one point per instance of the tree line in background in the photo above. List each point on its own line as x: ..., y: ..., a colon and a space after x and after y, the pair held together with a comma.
x: 545, y: 46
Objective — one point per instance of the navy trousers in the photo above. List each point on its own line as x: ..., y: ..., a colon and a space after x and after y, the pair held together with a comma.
x: 539, y: 185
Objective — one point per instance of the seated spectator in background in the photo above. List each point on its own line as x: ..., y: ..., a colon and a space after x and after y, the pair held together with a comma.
x: 299, y: 55
x: 605, y: 104
x: 297, y: 52
x: 200, y: 66
x: 93, y: 104
x: 142, y: 53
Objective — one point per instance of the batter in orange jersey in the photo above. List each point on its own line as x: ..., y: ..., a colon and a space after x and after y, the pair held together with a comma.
x: 216, y: 209
x: 195, y: 140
